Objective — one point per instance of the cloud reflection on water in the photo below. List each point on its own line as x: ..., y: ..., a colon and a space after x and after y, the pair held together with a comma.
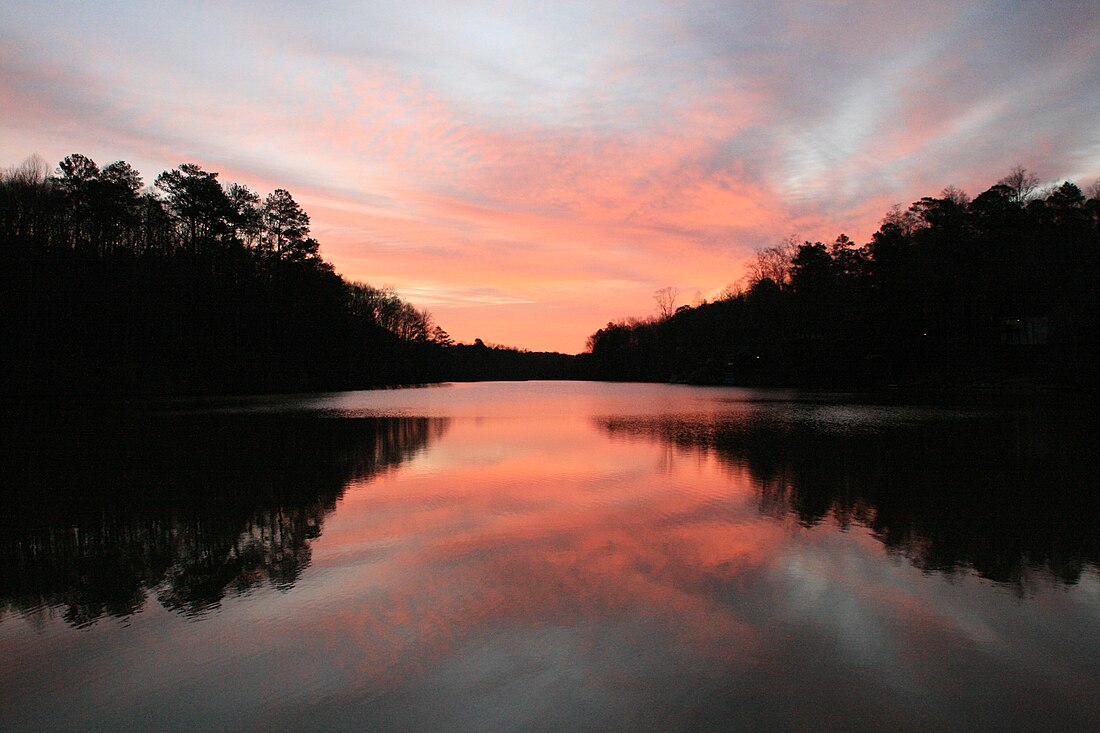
x: 554, y: 562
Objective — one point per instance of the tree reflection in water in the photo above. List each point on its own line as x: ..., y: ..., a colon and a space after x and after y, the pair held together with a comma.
x: 99, y: 514
x: 1008, y: 492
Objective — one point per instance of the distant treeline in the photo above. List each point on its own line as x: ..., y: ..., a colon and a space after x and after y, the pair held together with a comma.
x: 950, y: 291
x: 108, y: 286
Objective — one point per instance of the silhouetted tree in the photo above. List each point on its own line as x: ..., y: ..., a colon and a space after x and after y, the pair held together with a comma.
x: 117, y: 207
x: 246, y: 216
x: 27, y: 206
x: 666, y: 301
x: 773, y: 263
x: 811, y: 269
x: 286, y: 228
x: 1021, y: 183
x: 199, y: 205
x: 441, y: 337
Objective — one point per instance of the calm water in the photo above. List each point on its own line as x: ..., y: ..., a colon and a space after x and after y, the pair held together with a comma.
x: 551, y: 556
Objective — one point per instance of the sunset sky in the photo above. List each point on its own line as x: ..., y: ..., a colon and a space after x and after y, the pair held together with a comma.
x: 528, y: 171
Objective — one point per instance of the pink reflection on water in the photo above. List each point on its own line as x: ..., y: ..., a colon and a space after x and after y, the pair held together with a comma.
x: 514, y: 556
x: 536, y: 567
x: 558, y: 530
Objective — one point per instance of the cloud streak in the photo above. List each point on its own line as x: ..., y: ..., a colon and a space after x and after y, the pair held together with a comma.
x: 500, y: 162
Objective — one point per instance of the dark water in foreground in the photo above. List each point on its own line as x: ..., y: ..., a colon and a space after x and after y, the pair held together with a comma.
x: 551, y: 556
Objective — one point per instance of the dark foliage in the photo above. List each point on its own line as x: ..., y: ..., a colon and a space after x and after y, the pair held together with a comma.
x: 192, y: 287
x: 950, y: 291
x: 476, y: 362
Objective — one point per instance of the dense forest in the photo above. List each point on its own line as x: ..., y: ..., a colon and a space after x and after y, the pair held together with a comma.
x: 1000, y: 289
x: 109, y: 286
x: 188, y: 285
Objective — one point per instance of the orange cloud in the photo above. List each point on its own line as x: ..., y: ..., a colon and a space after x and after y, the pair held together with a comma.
x: 606, y: 155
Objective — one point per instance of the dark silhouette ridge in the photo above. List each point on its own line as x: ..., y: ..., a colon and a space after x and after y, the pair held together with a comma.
x: 109, y: 288
x: 192, y: 287
x: 1003, y: 490
x: 102, y: 510
x: 998, y: 290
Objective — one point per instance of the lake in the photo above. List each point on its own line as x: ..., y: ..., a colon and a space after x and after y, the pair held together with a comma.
x: 551, y: 556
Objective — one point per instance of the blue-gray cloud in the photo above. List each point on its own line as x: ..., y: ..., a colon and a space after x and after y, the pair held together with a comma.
x: 672, y: 130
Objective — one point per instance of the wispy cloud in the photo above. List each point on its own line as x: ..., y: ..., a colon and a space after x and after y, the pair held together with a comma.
x: 531, y: 170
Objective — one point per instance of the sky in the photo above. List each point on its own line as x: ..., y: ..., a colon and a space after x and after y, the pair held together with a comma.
x: 529, y: 171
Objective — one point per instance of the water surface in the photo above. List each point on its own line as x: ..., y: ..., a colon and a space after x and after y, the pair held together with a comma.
x: 551, y: 556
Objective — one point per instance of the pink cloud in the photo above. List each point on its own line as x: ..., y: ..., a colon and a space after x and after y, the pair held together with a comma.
x: 579, y: 175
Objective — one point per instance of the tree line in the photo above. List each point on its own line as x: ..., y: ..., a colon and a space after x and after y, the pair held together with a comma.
x: 189, y: 285
x: 996, y: 289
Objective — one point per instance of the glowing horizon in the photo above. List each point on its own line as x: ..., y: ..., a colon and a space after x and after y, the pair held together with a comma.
x: 528, y: 173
